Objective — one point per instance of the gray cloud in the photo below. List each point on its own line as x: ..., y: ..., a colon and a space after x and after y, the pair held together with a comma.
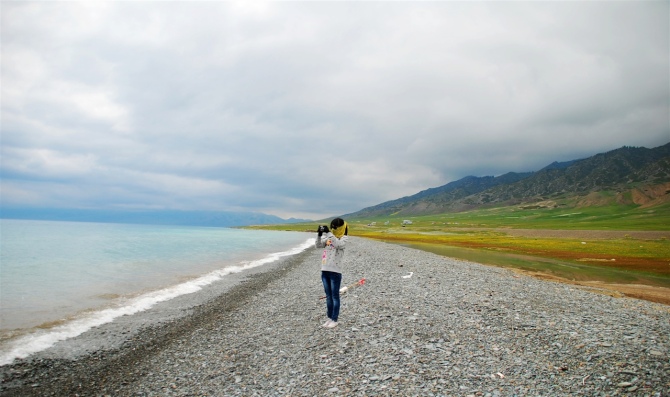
x: 315, y: 109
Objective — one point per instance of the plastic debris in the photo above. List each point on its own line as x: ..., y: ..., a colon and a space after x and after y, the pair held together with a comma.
x: 350, y: 286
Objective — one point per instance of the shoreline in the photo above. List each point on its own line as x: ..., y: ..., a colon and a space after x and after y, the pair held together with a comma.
x: 150, y: 307
x: 453, y: 327
x: 97, y: 351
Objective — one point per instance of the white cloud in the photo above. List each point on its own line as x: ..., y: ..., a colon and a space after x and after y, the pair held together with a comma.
x: 96, y: 103
x: 45, y: 164
x: 316, y: 108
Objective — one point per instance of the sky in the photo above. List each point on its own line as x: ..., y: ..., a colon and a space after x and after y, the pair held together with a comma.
x: 315, y: 109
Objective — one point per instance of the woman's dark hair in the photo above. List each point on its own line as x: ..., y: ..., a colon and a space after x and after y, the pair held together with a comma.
x: 337, y: 222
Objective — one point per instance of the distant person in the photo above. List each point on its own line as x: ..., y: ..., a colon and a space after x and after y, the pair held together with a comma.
x: 332, y: 241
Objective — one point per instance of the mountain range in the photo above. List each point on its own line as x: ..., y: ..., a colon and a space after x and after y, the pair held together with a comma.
x: 628, y: 175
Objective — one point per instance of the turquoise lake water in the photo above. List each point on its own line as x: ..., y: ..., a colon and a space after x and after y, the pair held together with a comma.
x: 58, y: 276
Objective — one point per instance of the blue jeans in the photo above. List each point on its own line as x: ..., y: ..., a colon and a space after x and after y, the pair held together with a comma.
x: 331, y: 285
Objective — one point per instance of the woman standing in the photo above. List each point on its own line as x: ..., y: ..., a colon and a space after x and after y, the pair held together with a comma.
x: 332, y: 241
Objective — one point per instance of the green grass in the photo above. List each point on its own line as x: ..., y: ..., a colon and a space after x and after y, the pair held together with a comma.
x: 612, y: 217
x: 479, y: 236
x: 588, y: 218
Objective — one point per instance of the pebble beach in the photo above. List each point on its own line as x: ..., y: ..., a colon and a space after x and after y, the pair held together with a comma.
x: 420, y: 325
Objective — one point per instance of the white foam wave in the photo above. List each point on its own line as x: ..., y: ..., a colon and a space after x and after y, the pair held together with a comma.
x: 33, y: 343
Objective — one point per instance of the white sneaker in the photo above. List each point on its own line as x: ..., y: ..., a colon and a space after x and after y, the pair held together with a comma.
x: 332, y: 324
x: 327, y: 323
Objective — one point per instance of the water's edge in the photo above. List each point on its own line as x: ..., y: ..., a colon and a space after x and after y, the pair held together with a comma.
x: 102, y: 330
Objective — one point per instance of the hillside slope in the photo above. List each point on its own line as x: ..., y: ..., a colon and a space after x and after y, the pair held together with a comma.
x: 628, y: 171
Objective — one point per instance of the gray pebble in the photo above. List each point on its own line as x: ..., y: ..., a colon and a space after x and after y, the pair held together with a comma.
x: 453, y: 328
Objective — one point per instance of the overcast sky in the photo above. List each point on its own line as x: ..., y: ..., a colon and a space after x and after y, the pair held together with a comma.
x: 313, y: 109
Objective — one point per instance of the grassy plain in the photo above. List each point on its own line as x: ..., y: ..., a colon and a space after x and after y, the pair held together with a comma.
x: 624, y: 249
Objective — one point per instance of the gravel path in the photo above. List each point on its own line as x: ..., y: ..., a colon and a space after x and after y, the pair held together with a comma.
x: 453, y: 328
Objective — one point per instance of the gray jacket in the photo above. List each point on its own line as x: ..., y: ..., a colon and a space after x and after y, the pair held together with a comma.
x: 333, y: 253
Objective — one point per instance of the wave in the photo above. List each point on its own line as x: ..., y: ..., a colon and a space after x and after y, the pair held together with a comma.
x: 26, y: 345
